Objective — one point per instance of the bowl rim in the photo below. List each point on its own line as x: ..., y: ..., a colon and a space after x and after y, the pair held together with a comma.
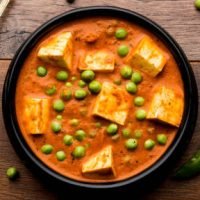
x: 183, y: 135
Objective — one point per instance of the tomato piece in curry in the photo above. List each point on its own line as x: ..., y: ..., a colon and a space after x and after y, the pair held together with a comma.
x: 105, y: 113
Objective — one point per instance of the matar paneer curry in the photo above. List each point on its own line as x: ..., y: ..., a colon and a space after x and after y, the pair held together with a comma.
x: 99, y: 99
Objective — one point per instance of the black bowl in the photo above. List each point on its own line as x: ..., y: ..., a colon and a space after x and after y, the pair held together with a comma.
x: 151, y: 174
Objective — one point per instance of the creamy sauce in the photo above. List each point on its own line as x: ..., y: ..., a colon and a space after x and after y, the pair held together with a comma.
x: 30, y: 84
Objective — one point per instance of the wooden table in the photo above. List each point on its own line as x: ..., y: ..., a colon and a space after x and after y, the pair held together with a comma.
x: 179, y: 18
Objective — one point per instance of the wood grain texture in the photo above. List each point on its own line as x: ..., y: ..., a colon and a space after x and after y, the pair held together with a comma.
x: 178, y: 17
x: 29, y: 187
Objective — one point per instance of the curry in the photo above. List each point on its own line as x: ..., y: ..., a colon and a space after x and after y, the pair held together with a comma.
x: 100, y: 99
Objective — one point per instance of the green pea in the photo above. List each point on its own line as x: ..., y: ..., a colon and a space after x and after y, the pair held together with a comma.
x: 136, y: 77
x: 117, y: 81
x: 50, y: 90
x: 98, y: 124
x: 47, y: 149
x: 162, y: 139
x: 79, y: 152
x: 58, y: 105
x: 41, y: 71
x: 62, y: 76
x: 140, y: 114
x: 74, y: 122
x: 60, y: 155
x: 95, y: 87
x: 149, y: 144
x: 87, y: 75
x: 68, y: 84
x: 197, y: 4
x: 131, y: 144
x: 126, y: 133
x: 80, y: 94
x: 12, y: 173
x: 66, y: 94
x: 126, y: 72
x: 59, y: 117
x: 121, y: 33
x: 139, y: 101
x: 131, y: 87
x: 56, y: 126
x: 68, y: 140
x: 80, y: 135
x: 73, y: 78
x: 112, y: 129
x: 123, y: 50
x: 82, y: 83
x: 138, y: 134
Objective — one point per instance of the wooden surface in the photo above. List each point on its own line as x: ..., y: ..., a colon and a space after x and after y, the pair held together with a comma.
x: 178, y: 17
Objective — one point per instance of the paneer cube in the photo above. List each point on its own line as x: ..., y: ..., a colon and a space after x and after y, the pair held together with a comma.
x: 36, y: 114
x: 112, y: 103
x: 101, y: 162
x: 101, y: 60
x: 147, y: 57
x: 58, y: 50
x: 167, y: 107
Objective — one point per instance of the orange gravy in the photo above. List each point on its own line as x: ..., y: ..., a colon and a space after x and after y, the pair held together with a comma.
x: 30, y: 84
